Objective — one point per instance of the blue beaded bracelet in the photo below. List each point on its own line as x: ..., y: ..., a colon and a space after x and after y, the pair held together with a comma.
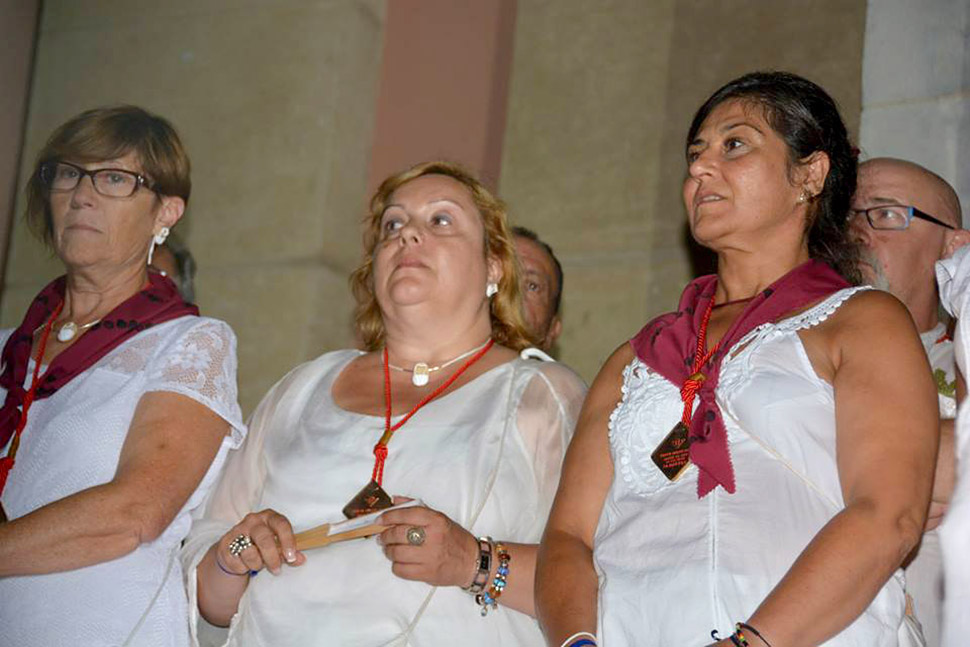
x: 489, y: 599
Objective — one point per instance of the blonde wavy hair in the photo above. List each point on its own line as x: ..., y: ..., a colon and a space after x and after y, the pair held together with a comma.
x: 508, y: 325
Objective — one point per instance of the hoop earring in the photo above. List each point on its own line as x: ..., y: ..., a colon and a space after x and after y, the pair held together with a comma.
x: 157, y: 239
x: 490, y: 290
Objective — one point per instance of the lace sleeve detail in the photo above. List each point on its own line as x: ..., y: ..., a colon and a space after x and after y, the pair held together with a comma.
x: 546, y: 418
x: 200, y: 363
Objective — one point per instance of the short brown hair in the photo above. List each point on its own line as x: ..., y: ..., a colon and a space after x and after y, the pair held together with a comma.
x: 508, y: 327
x: 109, y: 133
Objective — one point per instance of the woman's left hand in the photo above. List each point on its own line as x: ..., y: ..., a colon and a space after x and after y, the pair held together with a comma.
x: 440, y: 552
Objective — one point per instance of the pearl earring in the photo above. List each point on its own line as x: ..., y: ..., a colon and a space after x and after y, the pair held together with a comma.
x: 157, y: 239
x: 491, y: 289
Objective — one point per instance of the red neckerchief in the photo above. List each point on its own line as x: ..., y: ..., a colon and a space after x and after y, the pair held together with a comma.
x: 158, y: 302
x: 667, y: 345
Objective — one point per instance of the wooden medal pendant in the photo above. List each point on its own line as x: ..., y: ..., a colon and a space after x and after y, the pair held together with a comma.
x: 371, y: 498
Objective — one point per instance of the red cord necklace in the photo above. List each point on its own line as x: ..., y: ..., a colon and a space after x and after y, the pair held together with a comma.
x: 693, y: 383
x: 672, y: 455
x: 380, y: 449
x: 7, y: 462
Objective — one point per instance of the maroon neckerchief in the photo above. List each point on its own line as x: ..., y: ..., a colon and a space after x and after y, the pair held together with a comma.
x: 667, y: 345
x: 158, y: 302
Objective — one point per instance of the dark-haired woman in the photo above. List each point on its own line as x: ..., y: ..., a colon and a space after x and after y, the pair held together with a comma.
x: 752, y: 468
x: 119, y: 400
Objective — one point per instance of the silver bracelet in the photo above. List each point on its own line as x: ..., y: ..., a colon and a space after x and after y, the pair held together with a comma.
x: 483, y: 566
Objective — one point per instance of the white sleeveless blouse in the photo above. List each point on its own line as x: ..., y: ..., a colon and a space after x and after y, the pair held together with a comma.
x: 672, y: 566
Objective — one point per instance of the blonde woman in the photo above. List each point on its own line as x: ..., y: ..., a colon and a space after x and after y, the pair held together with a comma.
x: 440, y: 315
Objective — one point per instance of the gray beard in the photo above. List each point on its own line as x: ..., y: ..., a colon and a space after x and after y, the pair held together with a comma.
x: 872, y: 271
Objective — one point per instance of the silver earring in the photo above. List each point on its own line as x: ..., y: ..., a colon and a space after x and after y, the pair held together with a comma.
x: 491, y: 289
x: 157, y: 239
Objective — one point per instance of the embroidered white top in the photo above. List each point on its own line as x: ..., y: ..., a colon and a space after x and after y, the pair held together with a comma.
x: 672, y: 566
x: 488, y: 455
x: 72, y: 442
x: 953, y: 276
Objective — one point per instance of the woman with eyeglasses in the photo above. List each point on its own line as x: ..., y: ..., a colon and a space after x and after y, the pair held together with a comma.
x: 752, y: 468
x: 119, y: 399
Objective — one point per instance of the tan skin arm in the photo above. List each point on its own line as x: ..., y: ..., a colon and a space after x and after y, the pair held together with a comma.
x: 170, y: 445
x: 566, y: 583
x: 886, y: 446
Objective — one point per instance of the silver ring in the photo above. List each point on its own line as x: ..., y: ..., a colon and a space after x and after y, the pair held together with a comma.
x: 415, y: 535
x: 239, y: 544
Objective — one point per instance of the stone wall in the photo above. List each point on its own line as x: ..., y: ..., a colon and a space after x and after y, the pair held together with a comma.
x: 916, y: 87
x: 602, y: 96
x: 275, y: 102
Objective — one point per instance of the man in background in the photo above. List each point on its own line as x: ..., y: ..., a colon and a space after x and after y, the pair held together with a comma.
x: 541, y: 286
x: 174, y: 260
x: 906, y: 218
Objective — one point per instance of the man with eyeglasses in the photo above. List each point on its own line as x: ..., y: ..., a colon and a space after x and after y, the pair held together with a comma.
x: 906, y: 218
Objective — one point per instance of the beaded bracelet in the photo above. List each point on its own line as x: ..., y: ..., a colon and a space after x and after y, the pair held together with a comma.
x: 483, y: 566
x: 489, y: 599
x: 743, y: 625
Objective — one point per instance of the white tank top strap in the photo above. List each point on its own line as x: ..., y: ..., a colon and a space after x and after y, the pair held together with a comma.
x: 822, y: 310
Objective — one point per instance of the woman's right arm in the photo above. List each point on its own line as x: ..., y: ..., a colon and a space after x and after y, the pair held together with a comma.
x: 566, y: 583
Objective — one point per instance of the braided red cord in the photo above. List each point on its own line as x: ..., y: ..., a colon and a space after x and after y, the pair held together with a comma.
x: 380, y: 449
x: 693, y: 383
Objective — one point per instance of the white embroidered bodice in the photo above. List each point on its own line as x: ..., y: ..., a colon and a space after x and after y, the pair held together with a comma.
x: 674, y: 566
x: 72, y: 441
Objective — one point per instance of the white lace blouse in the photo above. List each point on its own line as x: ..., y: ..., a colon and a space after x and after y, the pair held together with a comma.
x: 673, y: 567
x: 72, y: 442
x: 488, y: 455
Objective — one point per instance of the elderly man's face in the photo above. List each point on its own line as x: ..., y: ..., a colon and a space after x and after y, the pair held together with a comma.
x: 901, y: 262
x: 539, y: 290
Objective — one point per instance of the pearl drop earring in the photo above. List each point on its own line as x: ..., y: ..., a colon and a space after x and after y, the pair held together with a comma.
x: 491, y: 289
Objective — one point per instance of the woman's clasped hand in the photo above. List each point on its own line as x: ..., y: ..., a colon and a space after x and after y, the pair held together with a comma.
x: 261, y: 540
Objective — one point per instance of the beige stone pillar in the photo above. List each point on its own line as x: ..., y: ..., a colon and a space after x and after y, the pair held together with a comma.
x: 18, y: 29
x: 444, y: 85
x: 275, y: 102
x: 602, y: 96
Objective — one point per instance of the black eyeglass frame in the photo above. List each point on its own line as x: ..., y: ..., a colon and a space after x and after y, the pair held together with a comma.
x: 911, y: 210
x: 47, y: 170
